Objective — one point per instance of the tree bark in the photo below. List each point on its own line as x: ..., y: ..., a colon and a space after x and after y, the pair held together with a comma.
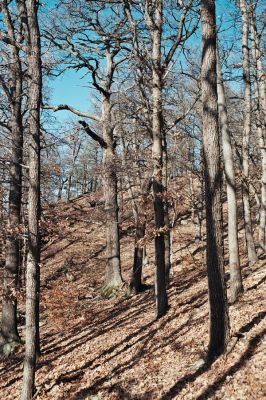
x: 218, y: 306
x: 135, y: 283
x: 138, y: 201
x: 157, y: 156
x: 236, y: 286
x: 33, y: 259
x: 259, y: 89
x: 252, y: 256
x: 113, y: 278
x: 9, y: 304
x: 167, y: 234
x: 12, y: 263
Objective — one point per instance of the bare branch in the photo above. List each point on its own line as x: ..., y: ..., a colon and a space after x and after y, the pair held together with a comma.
x: 93, y: 135
x: 66, y: 107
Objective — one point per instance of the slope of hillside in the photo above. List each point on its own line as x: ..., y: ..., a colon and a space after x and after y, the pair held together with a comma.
x: 108, y: 349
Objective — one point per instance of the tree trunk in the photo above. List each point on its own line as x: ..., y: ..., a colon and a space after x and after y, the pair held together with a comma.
x: 9, y: 305
x: 218, y: 307
x: 259, y: 88
x: 167, y: 243
x: 252, y: 256
x: 157, y: 156
x: 135, y: 283
x: 236, y: 286
x: 113, y: 278
x: 167, y: 234
x: 33, y: 260
x: 192, y: 196
x: 140, y: 221
x: 259, y: 69
x: 12, y: 263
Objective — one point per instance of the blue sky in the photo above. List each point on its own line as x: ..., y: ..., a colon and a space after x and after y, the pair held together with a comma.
x: 70, y: 88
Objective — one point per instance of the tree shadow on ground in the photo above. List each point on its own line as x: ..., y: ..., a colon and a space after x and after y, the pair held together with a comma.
x: 253, y: 343
x: 128, y: 364
x: 142, y: 336
x: 257, y: 284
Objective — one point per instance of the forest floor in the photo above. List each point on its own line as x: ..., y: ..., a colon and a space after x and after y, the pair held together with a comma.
x: 108, y: 349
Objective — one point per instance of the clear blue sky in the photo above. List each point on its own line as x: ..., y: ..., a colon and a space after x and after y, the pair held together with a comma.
x: 71, y: 89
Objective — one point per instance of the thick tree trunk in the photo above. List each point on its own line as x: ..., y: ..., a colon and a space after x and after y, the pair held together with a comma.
x: 9, y: 305
x: 113, y: 278
x: 236, y: 286
x: 218, y: 307
x: 252, y: 256
x: 33, y: 260
x: 12, y: 263
x: 157, y: 156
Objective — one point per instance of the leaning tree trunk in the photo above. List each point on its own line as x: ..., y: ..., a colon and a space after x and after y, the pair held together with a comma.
x: 113, y: 278
x: 236, y: 286
x: 157, y: 156
x: 252, y: 256
x: 219, y: 319
x: 259, y: 88
x: 33, y: 258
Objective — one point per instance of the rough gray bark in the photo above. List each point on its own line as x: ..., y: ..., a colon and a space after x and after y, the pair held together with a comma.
x: 252, y: 256
x: 218, y: 307
x: 113, y: 278
x: 260, y: 104
x: 33, y: 258
x: 9, y: 305
x: 155, y: 28
x: 236, y: 286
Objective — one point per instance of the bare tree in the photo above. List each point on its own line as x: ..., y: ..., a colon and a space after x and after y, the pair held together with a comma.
x: 219, y: 319
x: 154, y: 20
x: 14, y: 95
x: 32, y: 345
x: 105, y: 47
